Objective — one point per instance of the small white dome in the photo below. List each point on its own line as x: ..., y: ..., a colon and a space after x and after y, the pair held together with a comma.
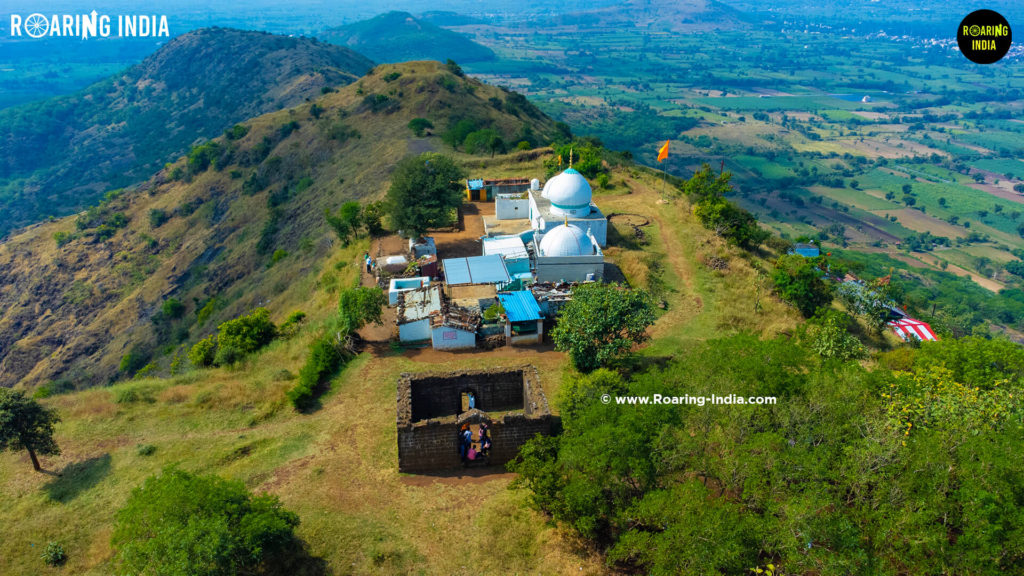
x: 564, y: 240
x: 569, y: 193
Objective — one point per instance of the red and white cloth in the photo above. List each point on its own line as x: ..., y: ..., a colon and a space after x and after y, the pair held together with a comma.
x: 908, y: 328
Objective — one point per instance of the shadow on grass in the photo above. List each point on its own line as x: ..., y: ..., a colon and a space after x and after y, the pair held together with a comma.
x: 78, y: 477
x: 297, y: 561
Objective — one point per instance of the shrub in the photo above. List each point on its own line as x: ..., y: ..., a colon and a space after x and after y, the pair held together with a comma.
x: 203, y: 352
x: 247, y: 333
x: 278, y: 255
x: 145, y: 450
x: 173, y: 308
x: 236, y: 132
x: 800, y: 282
x: 292, y: 323
x: 54, y: 554
x: 324, y: 359
x: 157, y: 217
x: 62, y: 238
x: 227, y: 355
x: 419, y: 126
x: 182, y: 524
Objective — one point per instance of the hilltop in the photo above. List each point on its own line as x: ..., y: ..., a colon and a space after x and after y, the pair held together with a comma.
x: 399, y: 37
x: 60, y: 155
x: 236, y: 225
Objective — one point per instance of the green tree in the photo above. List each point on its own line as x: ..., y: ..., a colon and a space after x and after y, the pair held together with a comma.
x: 707, y: 193
x: 831, y: 338
x: 202, y: 353
x: 425, y: 192
x: 26, y: 425
x: 800, y: 282
x: 419, y: 126
x: 248, y: 333
x: 178, y: 523
x: 360, y: 306
x: 601, y: 323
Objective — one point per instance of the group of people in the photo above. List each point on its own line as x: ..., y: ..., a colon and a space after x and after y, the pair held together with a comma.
x: 467, y: 452
x: 369, y: 263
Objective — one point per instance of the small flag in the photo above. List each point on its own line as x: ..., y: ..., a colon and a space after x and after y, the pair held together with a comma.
x: 663, y: 152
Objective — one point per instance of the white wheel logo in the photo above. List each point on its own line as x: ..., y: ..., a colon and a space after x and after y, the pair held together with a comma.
x: 37, y: 25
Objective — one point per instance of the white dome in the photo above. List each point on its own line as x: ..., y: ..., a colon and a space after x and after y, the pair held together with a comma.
x: 569, y: 193
x: 564, y: 240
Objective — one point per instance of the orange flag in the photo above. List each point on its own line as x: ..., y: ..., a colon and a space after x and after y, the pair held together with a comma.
x: 663, y: 152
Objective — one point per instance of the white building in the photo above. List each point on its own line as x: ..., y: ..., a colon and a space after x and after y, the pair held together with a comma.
x: 415, y: 310
x: 567, y: 198
x: 567, y: 254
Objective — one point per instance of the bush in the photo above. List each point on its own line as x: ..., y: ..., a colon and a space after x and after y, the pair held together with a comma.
x: 157, y: 217
x: 800, y: 282
x: 419, y: 126
x: 203, y: 352
x: 179, y: 524
x: 247, y: 334
x: 292, y: 324
x: 324, y: 359
x: 227, y: 355
x: 54, y: 554
x: 830, y: 336
x: 172, y: 308
x: 145, y: 450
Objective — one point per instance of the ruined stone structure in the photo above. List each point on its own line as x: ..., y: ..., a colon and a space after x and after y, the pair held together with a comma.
x: 431, y: 411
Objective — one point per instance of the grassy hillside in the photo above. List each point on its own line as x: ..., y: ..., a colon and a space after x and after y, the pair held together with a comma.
x: 245, y: 231
x: 59, y: 155
x: 399, y: 37
x: 337, y: 466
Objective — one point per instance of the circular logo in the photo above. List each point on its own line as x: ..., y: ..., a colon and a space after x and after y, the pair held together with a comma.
x: 984, y: 36
x: 36, y: 25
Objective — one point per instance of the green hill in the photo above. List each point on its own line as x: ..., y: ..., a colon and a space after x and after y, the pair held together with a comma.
x: 399, y: 37
x: 207, y: 235
x: 58, y: 156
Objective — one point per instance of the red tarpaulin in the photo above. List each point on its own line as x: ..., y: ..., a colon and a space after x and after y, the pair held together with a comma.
x: 908, y: 328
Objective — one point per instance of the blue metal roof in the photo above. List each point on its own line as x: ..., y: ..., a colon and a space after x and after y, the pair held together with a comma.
x: 520, y: 306
x: 476, y: 270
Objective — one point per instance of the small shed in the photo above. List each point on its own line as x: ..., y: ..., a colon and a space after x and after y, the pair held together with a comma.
x: 425, y: 246
x: 416, y: 308
x: 525, y: 323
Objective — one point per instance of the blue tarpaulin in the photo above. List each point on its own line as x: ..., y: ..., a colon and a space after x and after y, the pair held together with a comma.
x: 475, y: 184
x: 476, y: 270
x: 520, y: 306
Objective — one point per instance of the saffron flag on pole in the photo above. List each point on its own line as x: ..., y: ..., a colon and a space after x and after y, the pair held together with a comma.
x: 663, y: 152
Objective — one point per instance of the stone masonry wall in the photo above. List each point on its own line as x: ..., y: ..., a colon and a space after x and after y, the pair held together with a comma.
x: 431, y: 443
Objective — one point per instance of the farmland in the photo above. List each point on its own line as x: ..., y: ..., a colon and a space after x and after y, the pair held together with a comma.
x: 892, y: 142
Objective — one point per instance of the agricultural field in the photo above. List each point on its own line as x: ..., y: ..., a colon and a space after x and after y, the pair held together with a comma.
x: 853, y: 141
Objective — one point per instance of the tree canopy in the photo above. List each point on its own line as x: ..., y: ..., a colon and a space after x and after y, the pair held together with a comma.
x: 26, y: 425
x: 425, y: 191
x: 179, y: 523
x: 801, y: 282
x: 851, y: 471
x: 602, y: 322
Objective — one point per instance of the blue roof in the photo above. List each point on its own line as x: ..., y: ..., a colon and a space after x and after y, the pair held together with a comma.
x: 520, y: 306
x: 476, y: 270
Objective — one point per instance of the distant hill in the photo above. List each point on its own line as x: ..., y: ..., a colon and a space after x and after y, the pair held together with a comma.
x: 59, y: 155
x: 244, y: 228
x: 683, y: 16
x: 399, y: 37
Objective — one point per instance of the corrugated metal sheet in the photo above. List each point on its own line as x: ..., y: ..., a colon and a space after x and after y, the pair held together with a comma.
x: 476, y: 270
x: 507, y: 246
x: 520, y: 306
